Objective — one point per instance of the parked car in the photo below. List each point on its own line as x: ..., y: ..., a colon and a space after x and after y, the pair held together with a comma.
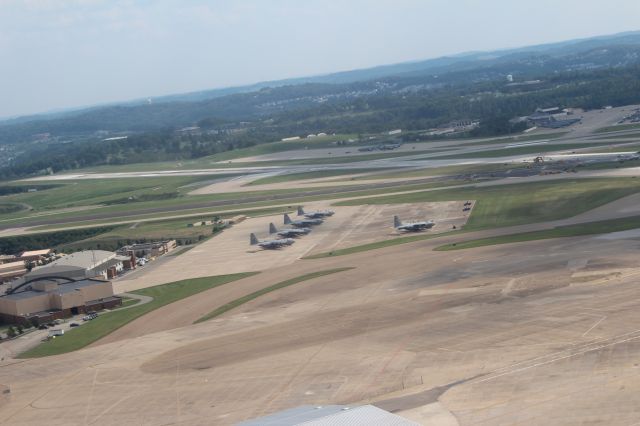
x: 74, y: 324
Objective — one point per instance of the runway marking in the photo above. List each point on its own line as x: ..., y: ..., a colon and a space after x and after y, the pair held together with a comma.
x: 594, y: 326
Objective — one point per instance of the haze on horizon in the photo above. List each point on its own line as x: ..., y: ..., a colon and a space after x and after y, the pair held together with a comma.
x: 60, y: 54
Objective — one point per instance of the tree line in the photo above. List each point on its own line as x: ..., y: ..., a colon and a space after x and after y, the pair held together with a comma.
x: 492, y: 101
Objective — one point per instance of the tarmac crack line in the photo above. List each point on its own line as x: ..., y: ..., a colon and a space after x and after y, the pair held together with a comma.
x: 578, y: 347
x: 89, y: 399
x: 571, y: 355
x: 177, y: 392
x: 594, y: 326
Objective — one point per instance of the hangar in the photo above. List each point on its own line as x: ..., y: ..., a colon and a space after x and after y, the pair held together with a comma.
x: 84, y: 264
x: 48, y: 298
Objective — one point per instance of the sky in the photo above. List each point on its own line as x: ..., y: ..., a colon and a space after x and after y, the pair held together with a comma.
x: 57, y: 54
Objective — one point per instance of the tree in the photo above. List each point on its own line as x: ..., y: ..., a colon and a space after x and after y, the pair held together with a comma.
x: 11, y: 332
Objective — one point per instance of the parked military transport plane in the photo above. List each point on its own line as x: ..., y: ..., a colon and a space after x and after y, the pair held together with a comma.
x: 301, y: 223
x: 271, y: 244
x: 288, y: 232
x: 412, y: 226
x: 316, y: 214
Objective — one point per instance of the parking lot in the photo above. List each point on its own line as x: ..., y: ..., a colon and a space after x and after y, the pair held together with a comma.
x: 33, y: 337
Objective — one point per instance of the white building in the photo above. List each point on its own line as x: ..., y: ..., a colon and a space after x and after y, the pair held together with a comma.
x: 83, y: 264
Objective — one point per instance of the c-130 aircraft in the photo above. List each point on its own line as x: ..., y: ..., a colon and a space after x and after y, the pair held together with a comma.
x: 412, y: 226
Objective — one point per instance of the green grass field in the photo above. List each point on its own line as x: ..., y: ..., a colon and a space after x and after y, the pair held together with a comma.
x: 282, y: 146
x: 521, y: 150
x: 618, y: 128
x: 9, y: 208
x: 502, y: 206
x: 519, y: 138
x: 466, y: 169
x: 25, y: 218
x: 317, y: 174
x: 173, y: 229
x: 351, y: 158
x: 626, y: 136
x: 631, y: 147
x: 517, y: 204
x: 107, y: 323
x: 589, y: 228
x: 294, y: 196
x: 606, y: 165
x: 86, y: 192
x: 249, y: 297
x: 116, y: 236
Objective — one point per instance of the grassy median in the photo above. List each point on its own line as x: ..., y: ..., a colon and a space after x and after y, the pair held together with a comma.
x: 249, y: 297
x: 520, y: 150
x: 107, y: 323
x: 589, y: 228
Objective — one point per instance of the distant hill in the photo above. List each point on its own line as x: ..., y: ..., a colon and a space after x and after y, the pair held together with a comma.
x: 442, y: 64
x: 268, y: 99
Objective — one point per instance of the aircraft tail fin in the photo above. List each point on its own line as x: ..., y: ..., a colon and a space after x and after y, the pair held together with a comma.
x: 253, y: 239
x: 300, y: 211
x: 287, y: 219
x: 272, y: 228
x: 396, y: 222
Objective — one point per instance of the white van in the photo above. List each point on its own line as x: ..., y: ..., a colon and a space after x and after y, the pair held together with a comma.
x: 56, y: 332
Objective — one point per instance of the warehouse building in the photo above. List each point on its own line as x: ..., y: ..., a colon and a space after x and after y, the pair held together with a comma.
x: 6, y: 258
x: 12, y: 270
x: 84, y: 264
x: 35, y: 255
x: 47, y: 299
x: 154, y: 249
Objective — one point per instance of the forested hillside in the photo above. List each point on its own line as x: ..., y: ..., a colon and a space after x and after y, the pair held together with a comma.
x: 586, y: 74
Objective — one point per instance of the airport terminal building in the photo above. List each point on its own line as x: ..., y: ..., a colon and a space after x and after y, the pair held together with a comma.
x: 45, y: 300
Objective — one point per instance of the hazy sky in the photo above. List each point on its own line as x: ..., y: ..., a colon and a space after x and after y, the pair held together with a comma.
x: 67, y: 53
